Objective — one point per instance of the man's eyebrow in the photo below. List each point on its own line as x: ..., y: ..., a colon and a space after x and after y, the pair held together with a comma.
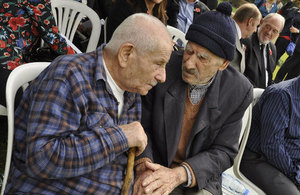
x: 162, y: 60
x: 201, y: 54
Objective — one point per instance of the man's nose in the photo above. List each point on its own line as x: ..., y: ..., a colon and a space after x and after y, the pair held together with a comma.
x: 161, y: 77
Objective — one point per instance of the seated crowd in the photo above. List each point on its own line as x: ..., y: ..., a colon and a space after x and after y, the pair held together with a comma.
x: 78, y: 121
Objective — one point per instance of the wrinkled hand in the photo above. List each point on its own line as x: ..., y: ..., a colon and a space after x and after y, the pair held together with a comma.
x: 162, y: 180
x: 294, y: 29
x: 136, y: 136
x: 141, y: 172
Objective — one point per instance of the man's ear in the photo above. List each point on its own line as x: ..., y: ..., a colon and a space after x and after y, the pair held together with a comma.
x: 250, y: 21
x: 224, y: 65
x: 125, y: 52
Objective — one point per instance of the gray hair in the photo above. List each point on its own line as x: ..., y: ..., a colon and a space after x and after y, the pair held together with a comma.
x: 280, y: 17
x: 136, y: 29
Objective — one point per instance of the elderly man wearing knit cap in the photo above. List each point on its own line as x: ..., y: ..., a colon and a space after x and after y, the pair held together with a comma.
x: 193, y: 120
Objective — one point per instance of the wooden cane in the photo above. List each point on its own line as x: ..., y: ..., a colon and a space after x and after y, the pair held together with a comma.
x: 129, y: 171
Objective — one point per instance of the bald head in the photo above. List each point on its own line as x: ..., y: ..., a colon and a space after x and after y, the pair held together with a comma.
x: 144, y: 31
x: 137, y: 54
x: 246, y: 11
x: 248, y: 17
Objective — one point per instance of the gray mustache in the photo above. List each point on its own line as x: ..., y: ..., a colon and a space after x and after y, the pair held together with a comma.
x: 190, y: 71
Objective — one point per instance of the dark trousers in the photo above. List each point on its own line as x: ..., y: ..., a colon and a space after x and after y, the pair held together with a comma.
x: 268, y: 178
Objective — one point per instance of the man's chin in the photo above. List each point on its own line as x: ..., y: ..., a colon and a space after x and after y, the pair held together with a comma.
x: 265, y: 42
x: 143, y: 92
x: 186, y: 79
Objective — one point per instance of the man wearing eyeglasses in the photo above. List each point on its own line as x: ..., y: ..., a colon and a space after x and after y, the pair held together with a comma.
x: 260, y: 55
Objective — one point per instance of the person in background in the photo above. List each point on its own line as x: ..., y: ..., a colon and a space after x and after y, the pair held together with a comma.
x: 193, y: 120
x: 121, y: 9
x: 279, y: 4
x: 80, y: 116
x: 271, y: 159
x: 211, y: 4
x: 291, y: 67
x: 266, y: 6
x: 188, y: 10
x: 22, y: 24
x: 260, y: 54
x: 246, y: 18
x: 102, y: 7
x: 290, y: 31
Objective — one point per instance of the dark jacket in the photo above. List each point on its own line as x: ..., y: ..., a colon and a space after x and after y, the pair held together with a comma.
x: 291, y: 66
x: 292, y: 18
x: 211, y: 4
x: 255, y: 70
x: 214, y: 137
x: 102, y: 7
x: 121, y: 9
x: 173, y: 10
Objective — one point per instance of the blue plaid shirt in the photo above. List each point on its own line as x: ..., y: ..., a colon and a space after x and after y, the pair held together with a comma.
x: 67, y: 139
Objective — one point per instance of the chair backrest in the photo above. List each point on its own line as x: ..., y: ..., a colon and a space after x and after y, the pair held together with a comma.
x: 176, y: 34
x: 3, y: 111
x: 68, y: 15
x: 247, y: 118
x: 105, y: 29
x: 246, y: 124
x: 17, y: 78
x: 257, y: 92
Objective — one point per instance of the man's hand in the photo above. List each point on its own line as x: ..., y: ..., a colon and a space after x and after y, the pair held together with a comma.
x: 162, y: 180
x: 294, y: 29
x: 136, y: 136
x: 141, y: 172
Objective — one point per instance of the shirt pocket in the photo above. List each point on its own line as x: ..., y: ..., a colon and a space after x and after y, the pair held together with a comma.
x: 98, y: 119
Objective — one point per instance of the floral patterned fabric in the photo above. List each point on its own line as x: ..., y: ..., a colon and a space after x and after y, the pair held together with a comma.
x: 22, y: 22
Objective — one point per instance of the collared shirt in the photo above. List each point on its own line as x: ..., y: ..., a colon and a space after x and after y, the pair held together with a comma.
x: 67, y: 134
x: 198, y: 91
x: 275, y: 127
x: 116, y: 90
x: 265, y: 63
x: 263, y: 8
x: 238, y: 30
x: 185, y: 15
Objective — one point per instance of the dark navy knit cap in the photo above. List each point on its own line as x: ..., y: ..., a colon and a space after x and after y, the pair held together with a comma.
x: 215, y: 31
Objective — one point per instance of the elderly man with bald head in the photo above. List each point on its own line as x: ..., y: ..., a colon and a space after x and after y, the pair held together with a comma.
x: 78, y: 119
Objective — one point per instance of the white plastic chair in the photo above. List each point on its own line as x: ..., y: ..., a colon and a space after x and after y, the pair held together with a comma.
x: 246, y: 125
x: 105, y: 29
x: 17, y: 78
x: 257, y: 92
x: 3, y: 110
x: 68, y: 15
x: 176, y: 34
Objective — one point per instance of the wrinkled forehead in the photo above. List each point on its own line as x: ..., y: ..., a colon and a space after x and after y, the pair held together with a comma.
x: 162, y: 50
x: 274, y: 22
x: 200, y: 50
